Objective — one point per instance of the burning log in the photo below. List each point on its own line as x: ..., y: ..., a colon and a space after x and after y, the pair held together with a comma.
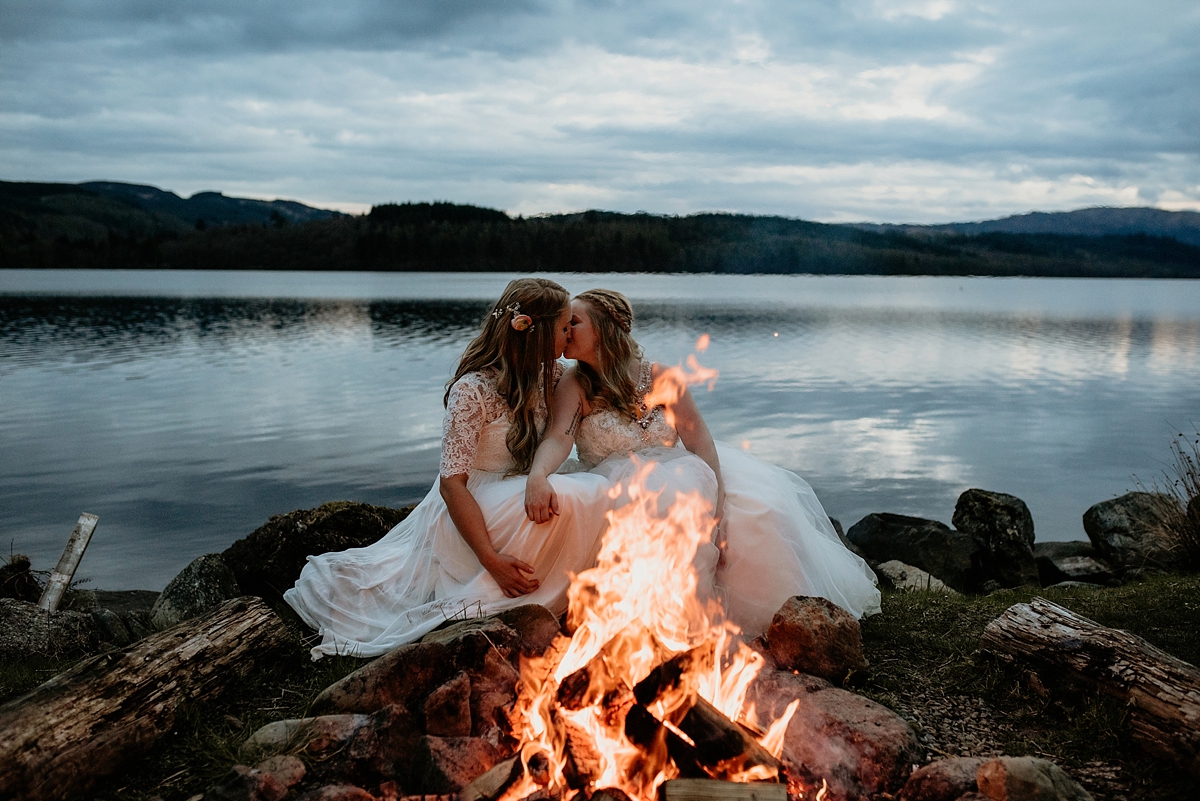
x: 726, y: 748
x: 1161, y: 691
x: 583, y: 761
x: 492, y: 784
x: 676, y: 675
x: 657, y: 741
x: 591, y: 683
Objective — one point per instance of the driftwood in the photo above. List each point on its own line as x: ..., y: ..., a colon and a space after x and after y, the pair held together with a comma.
x: 1060, y: 646
x: 64, y: 571
x: 60, y: 739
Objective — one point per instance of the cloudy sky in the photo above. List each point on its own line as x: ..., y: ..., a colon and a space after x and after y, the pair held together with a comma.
x: 881, y: 110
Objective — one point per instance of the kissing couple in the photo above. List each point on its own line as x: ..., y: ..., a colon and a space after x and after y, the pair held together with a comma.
x: 511, y: 520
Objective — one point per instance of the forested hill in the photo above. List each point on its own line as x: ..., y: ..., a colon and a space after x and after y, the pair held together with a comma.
x: 107, y: 225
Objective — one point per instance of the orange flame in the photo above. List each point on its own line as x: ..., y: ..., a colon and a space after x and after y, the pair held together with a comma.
x: 641, y: 604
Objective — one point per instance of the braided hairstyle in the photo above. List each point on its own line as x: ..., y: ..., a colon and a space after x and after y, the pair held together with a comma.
x: 523, y: 358
x: 607, y: 384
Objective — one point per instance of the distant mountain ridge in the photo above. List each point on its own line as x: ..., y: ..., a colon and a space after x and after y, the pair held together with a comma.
x: 105, y: 224
x: 1183, y: 226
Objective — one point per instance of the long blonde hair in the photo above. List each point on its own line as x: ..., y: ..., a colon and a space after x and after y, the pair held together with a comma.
x: 523, y: 359
x: 607, y: 385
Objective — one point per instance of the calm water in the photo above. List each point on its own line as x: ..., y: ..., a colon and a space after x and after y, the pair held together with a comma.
x: 186, y: 408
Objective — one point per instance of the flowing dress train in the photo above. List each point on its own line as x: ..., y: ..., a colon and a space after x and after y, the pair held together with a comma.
x: 779, y: 541
x: 366, y: 601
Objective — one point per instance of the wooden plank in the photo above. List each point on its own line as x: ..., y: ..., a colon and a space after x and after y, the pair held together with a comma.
x: 60, y: 579
x: 714, y: 790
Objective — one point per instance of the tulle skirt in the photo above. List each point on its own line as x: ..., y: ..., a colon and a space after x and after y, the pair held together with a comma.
x: 779, y: 541
x: 366, y: 601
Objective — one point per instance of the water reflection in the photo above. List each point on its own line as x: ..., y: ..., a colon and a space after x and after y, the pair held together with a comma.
x: 186, y: 421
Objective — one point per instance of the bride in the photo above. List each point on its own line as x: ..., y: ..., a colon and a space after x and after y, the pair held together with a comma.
x: 777, y: 540
x: 468, y: 549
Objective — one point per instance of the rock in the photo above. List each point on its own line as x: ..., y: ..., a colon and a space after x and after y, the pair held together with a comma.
x: 944, y: 780
x: 17, y: 580
x: 317, y: 737
x: 287, y: 770
x: 204, y: 584
x: 270, y: 781
x: 1003, y: 525
x: 132, y: 607
x: 1027, y: 779
x: 818, y: 637
x: 336, y: 792
x: 448, y: 708
x: 448, y: 764
x: 536, y: 625
x: 772, y: 690
x: 471, y: 640
x: 850, y: 546
x: 934, y: 547
x: 907, y: 578
x: 1056, y: 550
x: 270, y: 559
x: 400, y: 676
x: 1130, y: 531
x: 26, y: 630
x: 493, y: 691
x: 861, y: 748
x: 1076, y: 569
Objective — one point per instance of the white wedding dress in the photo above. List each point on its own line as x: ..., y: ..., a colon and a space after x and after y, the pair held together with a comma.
x: 779, y: 541
x: 366, y: 601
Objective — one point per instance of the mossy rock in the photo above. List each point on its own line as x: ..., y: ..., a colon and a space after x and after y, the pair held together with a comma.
x: 268, y: 561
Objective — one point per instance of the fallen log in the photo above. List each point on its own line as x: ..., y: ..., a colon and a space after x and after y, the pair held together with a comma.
x: 60, y: 739
x: 1061, y: 647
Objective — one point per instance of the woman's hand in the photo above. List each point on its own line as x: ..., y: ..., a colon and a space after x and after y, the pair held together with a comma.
x: 510, y: 573
x: 541, y: 501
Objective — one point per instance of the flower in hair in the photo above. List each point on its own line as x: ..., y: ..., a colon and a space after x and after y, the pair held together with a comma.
x: 522, y: 322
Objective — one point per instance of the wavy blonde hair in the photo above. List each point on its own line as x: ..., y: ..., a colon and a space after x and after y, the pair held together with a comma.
x: 607, y: 385
x: 523, y: 360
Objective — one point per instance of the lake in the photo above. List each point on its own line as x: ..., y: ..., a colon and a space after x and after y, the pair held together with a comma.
x: 185, y: 408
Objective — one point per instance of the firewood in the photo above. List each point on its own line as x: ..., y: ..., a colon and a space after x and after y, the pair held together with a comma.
x: 724, y: 747
x: 60, y: 739
x: 583, y: 761
x: 653, y: 739
x: 677, y: 674
x: 1061, y: 647
x: 713, y: 790
x: 492, y: 784
x: 590, y: 683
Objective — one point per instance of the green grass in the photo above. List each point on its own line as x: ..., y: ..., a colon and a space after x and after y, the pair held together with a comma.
x: 924, y: 646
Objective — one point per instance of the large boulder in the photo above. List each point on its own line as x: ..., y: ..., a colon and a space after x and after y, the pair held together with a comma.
x: 1003, y: 526
x: 205, y: 583
x: 1131, y: 532
x: 269, y: 560
x: 817, y: 637
x: 1027, y: 779
x: 952, y: 556
x: 1052, y: 571
x: 861, y: 748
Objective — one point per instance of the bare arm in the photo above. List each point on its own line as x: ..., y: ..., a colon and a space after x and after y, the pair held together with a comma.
x: 694, y: 434
x: 508, y: 571
x: 570, y: 408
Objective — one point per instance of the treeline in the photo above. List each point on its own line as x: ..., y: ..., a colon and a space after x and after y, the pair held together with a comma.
x: 449, y: 237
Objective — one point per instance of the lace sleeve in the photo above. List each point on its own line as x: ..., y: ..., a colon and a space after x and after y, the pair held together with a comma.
x: 465, y: 419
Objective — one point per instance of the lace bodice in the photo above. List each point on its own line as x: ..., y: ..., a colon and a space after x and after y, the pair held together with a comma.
x: 475, y: 431
x: 605, y: 432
